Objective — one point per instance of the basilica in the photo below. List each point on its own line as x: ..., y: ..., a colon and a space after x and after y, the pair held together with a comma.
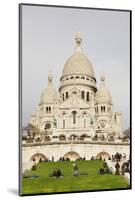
x: 78, y: 119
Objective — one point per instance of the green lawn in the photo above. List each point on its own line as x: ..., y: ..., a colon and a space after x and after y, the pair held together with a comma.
x: 92, y: 181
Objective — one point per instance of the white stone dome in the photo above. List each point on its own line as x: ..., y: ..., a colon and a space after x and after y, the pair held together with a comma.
x: 78, y: 63
x: 103, y: 95
x: 49, y: 93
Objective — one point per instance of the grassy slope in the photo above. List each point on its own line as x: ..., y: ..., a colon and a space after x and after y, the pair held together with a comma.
x: 92, y: 181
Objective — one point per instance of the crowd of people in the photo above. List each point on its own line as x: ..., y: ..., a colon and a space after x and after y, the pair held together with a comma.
x: 115, y: 158
x: 118, y: 157
x: 64, y: 159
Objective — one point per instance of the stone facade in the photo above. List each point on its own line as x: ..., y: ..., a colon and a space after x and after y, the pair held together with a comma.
x: 78, y: 118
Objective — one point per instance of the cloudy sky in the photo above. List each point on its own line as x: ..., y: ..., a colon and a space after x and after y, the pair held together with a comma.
x: 48, y: 40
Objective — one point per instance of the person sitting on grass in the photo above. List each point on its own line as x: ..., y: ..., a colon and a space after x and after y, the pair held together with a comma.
x: 58, y: 174
x: 101, y: 171
x: 54, y: 172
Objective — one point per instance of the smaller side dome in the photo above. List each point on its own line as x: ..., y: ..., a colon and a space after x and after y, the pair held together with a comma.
x: 49, y: 94
x: 103, y: 95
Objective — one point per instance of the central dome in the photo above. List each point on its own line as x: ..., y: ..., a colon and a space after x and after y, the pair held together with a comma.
x: 78, y: 63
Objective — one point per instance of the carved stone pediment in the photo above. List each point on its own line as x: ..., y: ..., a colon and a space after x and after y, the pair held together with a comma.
x: 74, y: 102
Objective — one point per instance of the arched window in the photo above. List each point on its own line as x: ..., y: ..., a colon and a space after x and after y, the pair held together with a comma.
x: 82, y: 94
x: 49, y: 109
x: 84, y: 123
x: 46, y: 109
x: 102, y: 108
x: 109, y: 109
x: 96, y: 109
x: 115, y: 118
x: 87, y: 96
x: 74, y: 117
x: 82, y: 77
x: 63, y: 97
x: 63, y: 123
x: 66, y: 95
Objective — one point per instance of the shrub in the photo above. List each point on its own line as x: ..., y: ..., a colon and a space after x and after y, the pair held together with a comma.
x: 34, y: 168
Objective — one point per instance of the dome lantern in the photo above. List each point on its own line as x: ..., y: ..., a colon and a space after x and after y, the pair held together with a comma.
x: 50, y: 78
x: 78, y: 41
x: 102, y: 78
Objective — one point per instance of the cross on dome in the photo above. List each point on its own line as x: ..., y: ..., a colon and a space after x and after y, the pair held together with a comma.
x: 102, y: 78
x: 78, y: 39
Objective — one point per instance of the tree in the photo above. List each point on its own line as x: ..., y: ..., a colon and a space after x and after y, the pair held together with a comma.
x: 32, y: 131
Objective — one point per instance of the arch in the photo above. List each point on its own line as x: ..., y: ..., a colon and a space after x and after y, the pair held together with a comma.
x: 37, y: 157
x: 62, y: 137
x: 74, y: 116
x: 83, y: 136
x: 49, y: 109
x: 87, y: 96
x: 46, y: 109
x: 63, y: 96
x: 82, y: 94
x: 72, y: 155
x: 63, y: 123
x: 103, y: 155
x: 102, y: 108
x: 73, y: 137
x: 66, y: 95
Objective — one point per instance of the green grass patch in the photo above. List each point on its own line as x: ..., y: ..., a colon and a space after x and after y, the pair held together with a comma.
x: 70, y: 183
